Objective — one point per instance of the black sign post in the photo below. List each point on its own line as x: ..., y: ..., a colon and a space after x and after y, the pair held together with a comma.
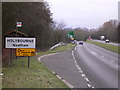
x: 28, y: 61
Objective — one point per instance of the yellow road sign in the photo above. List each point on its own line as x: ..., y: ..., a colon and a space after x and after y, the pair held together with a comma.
x: 25, y: 52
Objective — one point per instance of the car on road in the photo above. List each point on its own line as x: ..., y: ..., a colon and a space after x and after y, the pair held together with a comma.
x: 81, y: 43
x: 107, y: 41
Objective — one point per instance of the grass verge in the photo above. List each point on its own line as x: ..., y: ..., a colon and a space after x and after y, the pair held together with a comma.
x: 58, y: 49
x: 106, y: 46
x: 37, y: 76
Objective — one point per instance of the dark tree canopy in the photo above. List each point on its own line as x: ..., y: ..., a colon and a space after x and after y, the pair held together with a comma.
x: 35, y: 17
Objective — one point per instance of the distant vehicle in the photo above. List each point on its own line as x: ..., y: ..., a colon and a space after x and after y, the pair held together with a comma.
x: 102, y: 37
x: 89, y: 38
x: 107, y: 41
x: 81, y: 43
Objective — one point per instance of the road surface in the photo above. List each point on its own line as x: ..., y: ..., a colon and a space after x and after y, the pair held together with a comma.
x: 87, y: 66
x: 100, y: 65
x: 116, y: 44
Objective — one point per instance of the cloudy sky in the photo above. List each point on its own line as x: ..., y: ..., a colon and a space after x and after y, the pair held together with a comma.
x: 84, y: 13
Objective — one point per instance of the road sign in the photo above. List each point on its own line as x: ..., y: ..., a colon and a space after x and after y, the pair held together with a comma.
x: 25, y: 52
x: 71, y: 34
x: 19, y: 24
x: 16, y: 42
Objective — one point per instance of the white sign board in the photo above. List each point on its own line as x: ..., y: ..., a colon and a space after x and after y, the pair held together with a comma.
x: 16, y: 42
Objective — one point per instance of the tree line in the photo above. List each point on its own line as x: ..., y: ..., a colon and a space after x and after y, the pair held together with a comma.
x: 109, y: 29
x: 38, y: 22
x: 36, y: 18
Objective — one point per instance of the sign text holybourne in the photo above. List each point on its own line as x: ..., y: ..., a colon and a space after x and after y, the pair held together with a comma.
x: 16, y: 42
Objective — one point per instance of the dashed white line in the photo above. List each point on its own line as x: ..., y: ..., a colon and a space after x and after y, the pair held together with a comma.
x: 1, y: 74
x: 87, y: 79
x: 111, y: 60
x: 80, y: 70
x: 94, y: 53
x: 117, y: 66
x: 102, y: 56
x: 83, y: 75
x: 89, y: 85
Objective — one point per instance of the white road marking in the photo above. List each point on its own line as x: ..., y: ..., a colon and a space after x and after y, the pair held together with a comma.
x: 39, y: 59
x: 102, y: 56
x: 89, y: 85
x: 117, y: 67
x: 53, y: 72
x: 80, y: 70
x: 1, y: 74
x: 94, y: 53
x: 68, y: 84
x: 77, y: 66
x: 73, y: 55
x: 83, y: 75
x: 112, y: 60
x: 75, y: 48
x: 87, y: 79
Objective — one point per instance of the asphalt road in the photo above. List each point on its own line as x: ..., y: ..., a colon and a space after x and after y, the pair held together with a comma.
x: 107, y: 43
x: 63, y: 65
x: 86, y: 66
x: 100, y: 65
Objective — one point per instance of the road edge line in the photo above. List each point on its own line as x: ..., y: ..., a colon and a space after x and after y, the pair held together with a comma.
x: 67, y: 83
x: 80, y: 70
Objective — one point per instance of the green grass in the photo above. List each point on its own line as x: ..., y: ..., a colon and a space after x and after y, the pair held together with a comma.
x: 106, y: 46
x: 37, y: 76
x: 58, y: 49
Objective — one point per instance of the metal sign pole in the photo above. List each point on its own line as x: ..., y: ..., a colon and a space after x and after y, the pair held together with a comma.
x: 28, y: 61
x: 10, y: 62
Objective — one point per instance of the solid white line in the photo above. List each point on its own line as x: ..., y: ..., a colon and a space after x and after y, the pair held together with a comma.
x: 53, y: 72
x: 77, y: 66
x: 1, y: 74
x: 68, y: 84
x: 39, y: 59
x: 75, y: 48
x: 73, y: 55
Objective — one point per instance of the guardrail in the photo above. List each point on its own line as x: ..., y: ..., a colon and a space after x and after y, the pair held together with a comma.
x: 57, y: 45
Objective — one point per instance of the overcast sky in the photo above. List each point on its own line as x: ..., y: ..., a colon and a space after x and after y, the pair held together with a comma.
x: 84, y: 13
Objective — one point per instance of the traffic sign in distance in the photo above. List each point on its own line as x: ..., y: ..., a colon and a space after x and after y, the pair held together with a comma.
x: 19, y: 24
